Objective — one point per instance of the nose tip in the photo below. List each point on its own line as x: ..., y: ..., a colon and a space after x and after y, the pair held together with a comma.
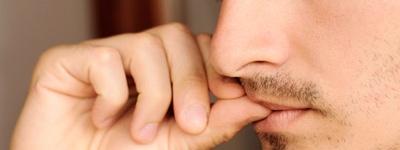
x: 221, y: 62
x: 247, y: 43
x: 243, y: 59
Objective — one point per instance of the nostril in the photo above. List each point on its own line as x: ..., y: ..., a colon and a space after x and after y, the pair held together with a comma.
x: 259, y: 62
x: 255, y: 64
x: 256, y: 68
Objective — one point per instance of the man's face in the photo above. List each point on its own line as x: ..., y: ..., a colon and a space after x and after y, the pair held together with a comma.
x: 330, y: 69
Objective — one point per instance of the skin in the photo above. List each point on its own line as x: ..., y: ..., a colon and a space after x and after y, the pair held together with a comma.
x: 338, y: 59
x: 342, y: 56
x: 114, y: 93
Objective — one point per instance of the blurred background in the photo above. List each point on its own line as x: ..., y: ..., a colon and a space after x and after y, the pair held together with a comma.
x: 29, y: 27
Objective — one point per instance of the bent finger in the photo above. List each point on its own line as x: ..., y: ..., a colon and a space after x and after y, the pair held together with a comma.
x: 145, y: 60
x: 228, y: 117
x: 151, y: 75
x: 221, y: 86
x: 86, y: 72
x: 107, y: 76
x: 190, y: 90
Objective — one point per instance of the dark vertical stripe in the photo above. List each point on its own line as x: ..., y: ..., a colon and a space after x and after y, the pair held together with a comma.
x: 121, y: 16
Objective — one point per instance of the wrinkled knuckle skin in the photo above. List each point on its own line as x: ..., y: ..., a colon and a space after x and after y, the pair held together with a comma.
x: 45, y: 65
x: 53, y: 52
x: 196, y: 79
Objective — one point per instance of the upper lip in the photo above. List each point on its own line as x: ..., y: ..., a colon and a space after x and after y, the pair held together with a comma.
x: 275, y: 106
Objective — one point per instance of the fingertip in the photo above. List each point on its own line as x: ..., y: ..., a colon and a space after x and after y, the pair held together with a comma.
x: 195, y: 119
x: 241, y: 111
x: 148, y: 114
x: 100, y: 120
x: 106, y: 123
x: 145, y: 134
x: 191, y: 107
x: 105, y: 111
x: 228, y: 117
x: 225, y: 87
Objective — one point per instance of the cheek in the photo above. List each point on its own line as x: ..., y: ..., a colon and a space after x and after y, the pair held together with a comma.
x: 345, y: 48
x: 338, y: 34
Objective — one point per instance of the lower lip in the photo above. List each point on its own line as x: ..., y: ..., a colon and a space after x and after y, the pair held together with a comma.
x: 281, y: 120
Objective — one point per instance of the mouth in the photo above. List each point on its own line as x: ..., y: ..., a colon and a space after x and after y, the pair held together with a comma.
x: 281, y: 120
x: 282, y: 117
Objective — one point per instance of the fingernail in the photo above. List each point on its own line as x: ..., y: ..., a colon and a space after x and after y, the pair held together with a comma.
x: 148, y: 132
x: 196, y: 115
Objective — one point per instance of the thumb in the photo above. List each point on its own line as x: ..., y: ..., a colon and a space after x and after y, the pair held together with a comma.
x: 227, y: 118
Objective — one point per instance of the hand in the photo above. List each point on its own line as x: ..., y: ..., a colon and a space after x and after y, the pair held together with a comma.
x: 114, y: 93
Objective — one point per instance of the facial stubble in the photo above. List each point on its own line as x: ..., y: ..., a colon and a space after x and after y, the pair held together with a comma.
x: 287, y: 90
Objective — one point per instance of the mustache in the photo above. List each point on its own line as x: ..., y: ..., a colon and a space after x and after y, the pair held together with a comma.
x: 283, y: 87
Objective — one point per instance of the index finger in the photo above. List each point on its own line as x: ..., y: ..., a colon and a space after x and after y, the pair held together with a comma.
x: 221, y: 86
x: 144, y: 58
x: 190, y: 90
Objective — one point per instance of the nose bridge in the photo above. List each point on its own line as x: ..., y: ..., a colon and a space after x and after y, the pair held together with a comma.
x: 249, y: 35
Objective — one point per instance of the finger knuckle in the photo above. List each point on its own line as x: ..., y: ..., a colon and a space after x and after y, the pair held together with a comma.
x: 174, y: 28
x: 103, y: 54
x: 145, y: 38
x: 148, y: 38
x: 52, y: 56
x: 53, y: 52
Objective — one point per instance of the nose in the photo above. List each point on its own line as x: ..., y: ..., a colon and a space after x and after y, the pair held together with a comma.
x: 250, y: 38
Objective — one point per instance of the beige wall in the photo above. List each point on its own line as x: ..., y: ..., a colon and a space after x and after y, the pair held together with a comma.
x: 29, y: 27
